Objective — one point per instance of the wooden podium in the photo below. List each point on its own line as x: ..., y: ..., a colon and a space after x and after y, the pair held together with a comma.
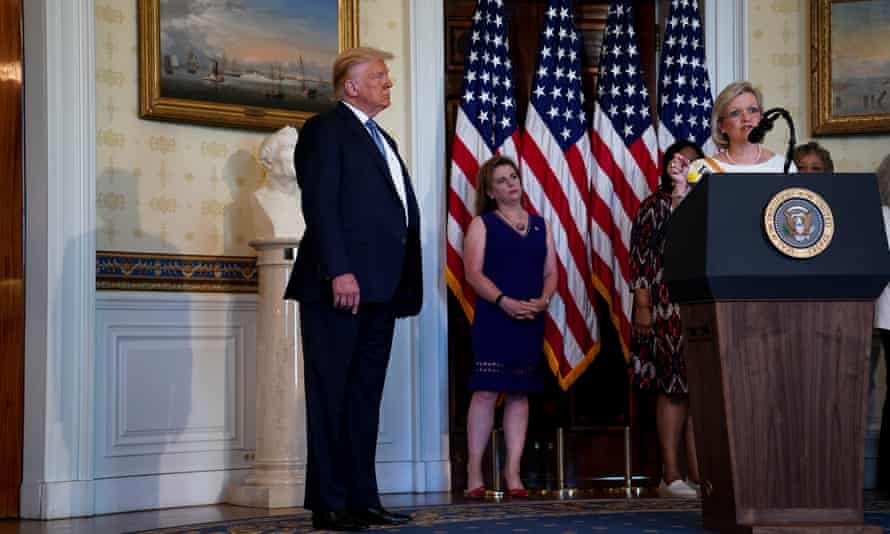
x: 777, y: 344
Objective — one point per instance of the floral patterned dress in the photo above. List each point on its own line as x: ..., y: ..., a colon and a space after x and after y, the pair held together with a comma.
x: 656, y: 356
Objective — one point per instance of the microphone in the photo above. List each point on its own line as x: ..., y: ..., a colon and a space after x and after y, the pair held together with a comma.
x: 757, y: 133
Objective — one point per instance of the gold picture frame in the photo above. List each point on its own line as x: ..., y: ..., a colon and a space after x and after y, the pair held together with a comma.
x: 850, y: 91
x: 207, y: 86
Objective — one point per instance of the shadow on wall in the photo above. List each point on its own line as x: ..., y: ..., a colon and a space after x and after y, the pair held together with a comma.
x: 174, y: 371
x: 146, y: 392
x: 243, y: 175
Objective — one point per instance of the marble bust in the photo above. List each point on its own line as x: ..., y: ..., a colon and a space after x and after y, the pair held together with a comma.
x: 277, y: 203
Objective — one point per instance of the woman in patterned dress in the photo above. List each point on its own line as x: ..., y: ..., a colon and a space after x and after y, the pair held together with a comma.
x: 657, y: 344
x: 510, y: 262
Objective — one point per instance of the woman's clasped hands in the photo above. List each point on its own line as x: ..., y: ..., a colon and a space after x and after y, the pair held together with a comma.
x: 523, y: 310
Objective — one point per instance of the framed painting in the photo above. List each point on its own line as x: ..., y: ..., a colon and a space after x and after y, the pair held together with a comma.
x: 255, y: 64
x: 850, y: 66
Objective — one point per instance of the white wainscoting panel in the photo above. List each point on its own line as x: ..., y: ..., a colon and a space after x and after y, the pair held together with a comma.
x: 174, y: 383
x: 114, y: 495
x: 395, y: 473
x: 175, y: 389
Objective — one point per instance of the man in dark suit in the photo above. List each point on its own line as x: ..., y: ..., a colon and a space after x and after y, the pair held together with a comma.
x: 357, y: 270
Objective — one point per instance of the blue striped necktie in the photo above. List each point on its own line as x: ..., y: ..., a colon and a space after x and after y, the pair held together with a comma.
x: 375, y: 133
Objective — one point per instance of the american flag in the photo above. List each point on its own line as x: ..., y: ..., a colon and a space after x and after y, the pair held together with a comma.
x: 486, y: 125
x: 556, y: 169
x: 626, y: 152
x: 684, y: 91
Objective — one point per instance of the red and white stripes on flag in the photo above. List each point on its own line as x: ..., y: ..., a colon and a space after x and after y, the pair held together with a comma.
x: 625, y: 148
x: 556, y: 168
x: 486, y: 125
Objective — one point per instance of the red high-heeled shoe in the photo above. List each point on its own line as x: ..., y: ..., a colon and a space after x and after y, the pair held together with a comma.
x: 517, y: 492
x: 475, y: 493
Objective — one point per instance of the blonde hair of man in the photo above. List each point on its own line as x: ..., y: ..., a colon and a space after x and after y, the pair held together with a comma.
x: 723, y: 99
x: 353, y: 57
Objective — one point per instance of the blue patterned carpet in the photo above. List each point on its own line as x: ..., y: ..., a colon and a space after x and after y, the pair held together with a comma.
x: 557, y: 517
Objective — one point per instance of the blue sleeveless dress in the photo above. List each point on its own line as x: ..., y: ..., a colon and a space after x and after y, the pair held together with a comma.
x: 508, y: 353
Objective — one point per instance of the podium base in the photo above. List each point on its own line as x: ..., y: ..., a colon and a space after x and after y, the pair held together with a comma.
x: 269, y: 496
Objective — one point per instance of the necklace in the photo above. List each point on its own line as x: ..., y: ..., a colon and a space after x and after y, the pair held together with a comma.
x: 729, y: 158
x: 520, y: 226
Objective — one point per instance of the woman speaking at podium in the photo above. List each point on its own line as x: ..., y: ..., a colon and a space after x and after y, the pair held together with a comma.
x: 657, y: 341
x: 737, y: 110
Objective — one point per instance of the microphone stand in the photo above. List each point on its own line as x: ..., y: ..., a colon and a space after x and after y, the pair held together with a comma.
x: 766, y: 124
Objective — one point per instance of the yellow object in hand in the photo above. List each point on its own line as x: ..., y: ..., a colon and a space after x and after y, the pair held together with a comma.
x: 696, y: 172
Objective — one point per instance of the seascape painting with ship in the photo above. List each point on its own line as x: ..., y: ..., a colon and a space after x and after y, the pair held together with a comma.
x: 860, y: 57
x: 258, y: 53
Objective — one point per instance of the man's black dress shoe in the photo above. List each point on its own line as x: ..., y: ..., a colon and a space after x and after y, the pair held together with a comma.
x: 339, y: 521
x: 381, y: 516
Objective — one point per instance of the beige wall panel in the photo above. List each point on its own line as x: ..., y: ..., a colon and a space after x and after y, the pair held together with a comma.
x: 779, y: 66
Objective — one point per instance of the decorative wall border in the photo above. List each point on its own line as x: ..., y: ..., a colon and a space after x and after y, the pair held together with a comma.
x: 132, y: 271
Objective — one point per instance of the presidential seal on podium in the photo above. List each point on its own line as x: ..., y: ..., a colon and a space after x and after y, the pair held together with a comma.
x: 799, y: 223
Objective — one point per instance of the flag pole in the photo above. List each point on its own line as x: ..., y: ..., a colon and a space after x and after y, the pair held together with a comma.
x: 496, y: 492
x: 628, y: 471
x: 562, y: 491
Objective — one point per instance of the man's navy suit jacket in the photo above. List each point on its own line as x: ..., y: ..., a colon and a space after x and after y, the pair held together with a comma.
x: 355, y: 221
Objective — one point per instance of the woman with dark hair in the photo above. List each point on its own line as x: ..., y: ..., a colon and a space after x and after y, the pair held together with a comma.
x: 510, y: 262
x: 657, y: 344
x: 813, y: 157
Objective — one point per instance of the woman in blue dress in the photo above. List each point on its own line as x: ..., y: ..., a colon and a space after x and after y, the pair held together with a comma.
x: 510, y: 262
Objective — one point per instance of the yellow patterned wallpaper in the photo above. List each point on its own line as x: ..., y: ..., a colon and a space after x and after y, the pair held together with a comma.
x: 183, y: 189
x: 176, y: 188
x: 778, y: 63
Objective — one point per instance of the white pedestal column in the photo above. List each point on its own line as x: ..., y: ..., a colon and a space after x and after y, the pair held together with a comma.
x: 278, y: 476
